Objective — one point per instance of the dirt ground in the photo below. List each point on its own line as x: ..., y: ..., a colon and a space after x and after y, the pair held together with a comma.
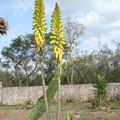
x: 12, y: 114
x: 80, y: 112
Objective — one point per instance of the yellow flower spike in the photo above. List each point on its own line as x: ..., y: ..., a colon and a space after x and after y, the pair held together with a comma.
x: 57, y: 37
x: 39, y: 25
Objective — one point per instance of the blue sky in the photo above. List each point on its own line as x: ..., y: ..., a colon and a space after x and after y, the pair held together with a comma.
x: 101, y: 18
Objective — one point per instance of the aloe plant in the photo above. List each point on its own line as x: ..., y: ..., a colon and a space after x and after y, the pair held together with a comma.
x: 100, y: 85
x: 39, y: 27
x: 58, y: 41
x: 40, y: 107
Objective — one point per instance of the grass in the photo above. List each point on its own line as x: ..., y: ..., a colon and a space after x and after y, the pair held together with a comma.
x: 81, y: 111
x: 5, y: 106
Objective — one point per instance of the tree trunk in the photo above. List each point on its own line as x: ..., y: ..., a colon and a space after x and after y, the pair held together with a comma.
x: 71, y: 64
x: 71, y: 74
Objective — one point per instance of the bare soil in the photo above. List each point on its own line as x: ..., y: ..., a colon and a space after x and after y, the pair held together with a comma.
x: 79, y: 111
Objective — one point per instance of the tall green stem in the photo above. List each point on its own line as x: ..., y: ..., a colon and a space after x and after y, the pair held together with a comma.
x: 58, y: 94
x: 40, y: 107
x: 44, y: 91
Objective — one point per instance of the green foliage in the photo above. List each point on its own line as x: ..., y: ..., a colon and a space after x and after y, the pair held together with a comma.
x: 100, y: 85
x: 68, y: 117
x: 85, y: 67
x: 36, y: 82
x: 20, y: 56
x: 40, y: 107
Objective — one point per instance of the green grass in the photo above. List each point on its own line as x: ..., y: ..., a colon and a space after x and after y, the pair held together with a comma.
x: 5, y: 106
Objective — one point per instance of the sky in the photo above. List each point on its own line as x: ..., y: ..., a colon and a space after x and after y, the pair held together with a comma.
x: 100, y: 17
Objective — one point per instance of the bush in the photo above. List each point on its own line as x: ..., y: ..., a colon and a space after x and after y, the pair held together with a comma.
x: 100, y: 85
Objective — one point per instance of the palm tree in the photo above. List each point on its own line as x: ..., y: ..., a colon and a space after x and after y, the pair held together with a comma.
x: 3, y: 26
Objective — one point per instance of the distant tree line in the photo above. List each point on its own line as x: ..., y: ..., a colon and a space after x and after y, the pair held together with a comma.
x: 19, y: 63
x: 86, y: 67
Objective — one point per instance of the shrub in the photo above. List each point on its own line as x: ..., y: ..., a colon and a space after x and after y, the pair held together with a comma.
x: 100, y: 85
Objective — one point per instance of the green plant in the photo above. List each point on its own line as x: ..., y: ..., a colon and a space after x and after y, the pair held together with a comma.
x: 58, y: 41
x: 100, y: 85
x: 39, y: 32
x: 40, y: 107
x: 68, y: 117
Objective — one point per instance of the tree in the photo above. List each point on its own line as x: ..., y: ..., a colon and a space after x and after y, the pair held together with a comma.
x: 20, y: 57
x: 115, y: 60
x: 73, y: 31
x: 3, y: 26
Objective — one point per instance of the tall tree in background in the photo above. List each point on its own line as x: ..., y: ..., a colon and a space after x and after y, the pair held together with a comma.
x: 3, y: 26
x: 39, y: 27
x: 73, y: 31
x: 20, y: 58
x: 58, y: 41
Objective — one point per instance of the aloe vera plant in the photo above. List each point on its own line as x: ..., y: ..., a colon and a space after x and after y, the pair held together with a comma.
x: 39, y: 27
x: 40, y: 107
x: 100, y: 85
x: 58, y: 41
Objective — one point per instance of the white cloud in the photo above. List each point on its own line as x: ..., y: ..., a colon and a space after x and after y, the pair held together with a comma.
x: 106, y: 6
x: 92, y: 43
x: 89, y: 19
x: 102, y: 22
x: 112, y: 25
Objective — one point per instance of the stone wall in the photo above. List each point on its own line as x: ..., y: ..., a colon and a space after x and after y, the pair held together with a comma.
x: 81, y: 93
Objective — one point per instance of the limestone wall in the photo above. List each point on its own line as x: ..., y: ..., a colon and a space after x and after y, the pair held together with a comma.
x: 81, y: 93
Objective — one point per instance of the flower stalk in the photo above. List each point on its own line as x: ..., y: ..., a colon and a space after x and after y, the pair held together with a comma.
x: 57, y: 41
x: 39, y: 33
